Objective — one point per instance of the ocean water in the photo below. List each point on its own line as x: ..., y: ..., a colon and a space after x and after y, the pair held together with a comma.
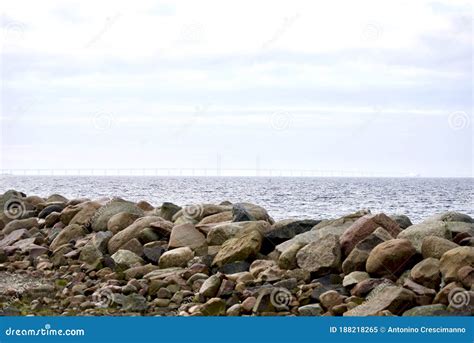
x: 283, y: 197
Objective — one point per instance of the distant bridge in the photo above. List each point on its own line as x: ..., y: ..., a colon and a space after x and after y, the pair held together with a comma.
x: 264, y: 172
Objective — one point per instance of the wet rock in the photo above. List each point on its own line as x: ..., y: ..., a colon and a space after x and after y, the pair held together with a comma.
x: 455, y: 259
x: 435, y: 247
x: 363, y: 227
x: 320, y: 257
x: 417, y: 233
x: 176, y: 258
x: 245, y: 211
x: 390, y: 258
x: 284, y: 230
x: 235, y: 267
x: 239, y: 248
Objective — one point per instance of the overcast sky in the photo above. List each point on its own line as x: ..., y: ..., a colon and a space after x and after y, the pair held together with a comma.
x: 343, y: 85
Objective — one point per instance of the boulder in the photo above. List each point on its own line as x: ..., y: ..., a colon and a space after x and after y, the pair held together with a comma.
x: 20, y: 224
x: 427, y: 273
x: 354, y: 278
x: 451, y: 216
x: 13, y: 237
x: 222, y: 232
x: 168, y: 210
x: 284, y: 230
x: 85, y: 214
x: 416, y: 233
x: 245, y: 211
x: 210, y: 287
x: 392, y: 298
x: 311, y: 310
x: 195, y: 213
x: 389, y: 259
x: 103, y: 214
x: 320, y: 257
x: 120, y: 221
x: 402, y: 221
x: 435, y: 247
x: 453, y: 260
x: 426, y: 310
x: 130, y: 232
x: 69, y: 233
x: 287, y: 259
x: 239, y: 248
x: 363, y: 227
x: 55, y: 207
x: 176, y: 258
x: 357, y: 258
x: 221, y: 217
x: 153, y: 251
x: 186, y: 235
x: 324, y: 228
x: 127, y: 258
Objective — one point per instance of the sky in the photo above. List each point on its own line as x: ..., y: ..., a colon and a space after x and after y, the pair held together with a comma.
x: 373, y: 86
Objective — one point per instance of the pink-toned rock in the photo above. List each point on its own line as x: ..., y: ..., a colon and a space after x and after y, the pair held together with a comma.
x: 363, y: 227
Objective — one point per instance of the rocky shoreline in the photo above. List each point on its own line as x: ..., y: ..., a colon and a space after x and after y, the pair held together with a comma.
x: 63, y: 256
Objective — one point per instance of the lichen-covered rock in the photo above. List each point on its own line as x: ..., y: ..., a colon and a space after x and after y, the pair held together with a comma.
x: 417, y: 233
x: 455, y: 259
x: 320, y: 257
x: 239, y: 248
x: 176, y: 258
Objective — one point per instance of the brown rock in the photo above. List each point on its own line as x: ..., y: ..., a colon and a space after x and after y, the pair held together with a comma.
x: 69, y: 233
x: 320, y: 257
x: 364, y: 227
x: 392, y: 298
x: 427, y: 273
x: 186, y: 235
x: 120, y: 221
x: 391, y: 258
x: 455, y: 259
x: 433, y: 246
x: 239, y: 248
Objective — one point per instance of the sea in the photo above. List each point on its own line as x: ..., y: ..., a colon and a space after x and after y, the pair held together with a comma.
x: 283, y: 197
